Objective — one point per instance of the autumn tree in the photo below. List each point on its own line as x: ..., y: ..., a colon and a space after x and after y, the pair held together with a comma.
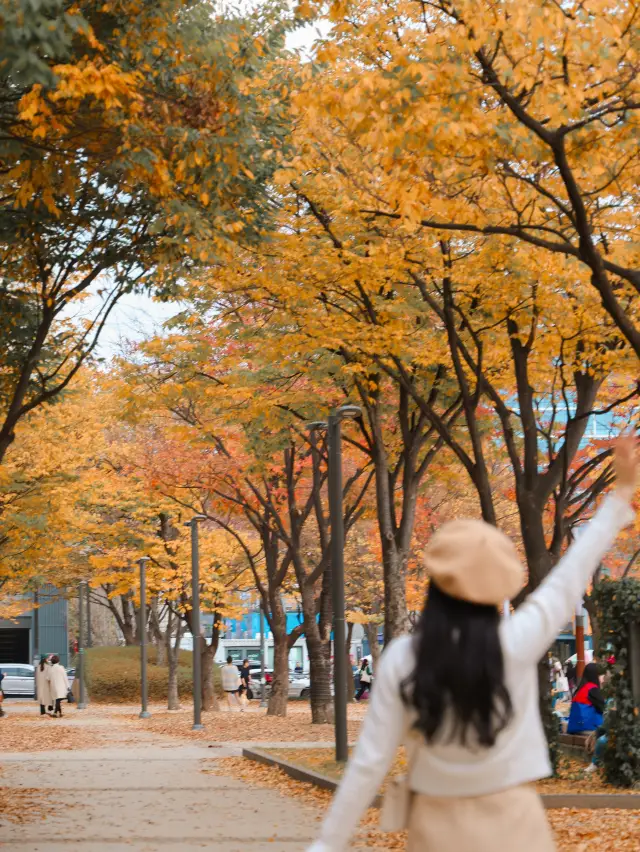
x: 518, y: 121
x: 244, y: 459
x: 47, y: 459
x: 135, y: 142
x: 524, y: 349
x: 120, y: 515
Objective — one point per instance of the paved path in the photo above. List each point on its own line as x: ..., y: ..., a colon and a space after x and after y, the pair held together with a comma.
x: 151, y: 794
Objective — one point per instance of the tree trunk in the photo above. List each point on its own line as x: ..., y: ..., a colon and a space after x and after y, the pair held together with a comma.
x: 17, y: 394
x: 351, y: 686
x: 130, y: 628
x: 156, y: 633
x: 173, y: 652
x: 207, y: 655
x: 280, y: 685
x: 395, y: 596
x: 596, y: 637
x: 320, y: 673
x: 539, y: 563
x: 371, y: 630
x: 161, y: 652
x: 318, y: 648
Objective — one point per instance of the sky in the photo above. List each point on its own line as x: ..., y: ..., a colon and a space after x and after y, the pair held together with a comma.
x: 137, y: 315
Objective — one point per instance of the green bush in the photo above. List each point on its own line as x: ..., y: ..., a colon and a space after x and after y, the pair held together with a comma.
x: 618, y: 604
x: 113, y: 675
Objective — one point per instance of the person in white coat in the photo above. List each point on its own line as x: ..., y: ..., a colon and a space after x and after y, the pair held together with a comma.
x: 231, y: 683
x: 462, y: 692
x: 43, y: 686
x: 59, y: 684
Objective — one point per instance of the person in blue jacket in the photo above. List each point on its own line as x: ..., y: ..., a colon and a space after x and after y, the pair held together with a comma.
x: 587, y: 706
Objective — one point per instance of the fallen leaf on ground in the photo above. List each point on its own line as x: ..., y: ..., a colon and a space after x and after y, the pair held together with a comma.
x: 21, y: 805
x: 576, y: 830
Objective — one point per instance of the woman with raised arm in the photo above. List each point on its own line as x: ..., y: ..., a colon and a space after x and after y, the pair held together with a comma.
x: 462, y: 692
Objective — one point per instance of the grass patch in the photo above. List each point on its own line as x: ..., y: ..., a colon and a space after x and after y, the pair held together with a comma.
x: 113, y: 675
x: 571, y: 777
x: 323, y: 760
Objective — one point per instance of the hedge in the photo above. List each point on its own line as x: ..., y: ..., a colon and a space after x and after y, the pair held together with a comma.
x: 113, y: 676
x: 617, y: 604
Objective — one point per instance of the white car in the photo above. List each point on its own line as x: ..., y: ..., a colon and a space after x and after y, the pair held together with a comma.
x: 19, y: 679
x: 299, y: 685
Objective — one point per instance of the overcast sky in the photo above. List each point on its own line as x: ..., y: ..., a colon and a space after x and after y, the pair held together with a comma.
x: 138, y: 316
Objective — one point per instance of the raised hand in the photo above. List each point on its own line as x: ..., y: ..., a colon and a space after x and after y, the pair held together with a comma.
x: 627, y: 463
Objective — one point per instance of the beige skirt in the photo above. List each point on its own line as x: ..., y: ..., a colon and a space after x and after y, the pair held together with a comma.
x: 513, y: 820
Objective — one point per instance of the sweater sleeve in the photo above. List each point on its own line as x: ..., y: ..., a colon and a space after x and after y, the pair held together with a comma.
x: 597, y: 699
x: 535, y: 624
x: 384, y: 728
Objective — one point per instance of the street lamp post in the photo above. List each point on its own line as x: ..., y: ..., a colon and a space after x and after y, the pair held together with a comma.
x: 89, y: 631
x: 345, y: 412
x: 82, y: 696
x: 144, y: 686
x: 580, y: 655
x: 36, y: 635
x: 195, y: 623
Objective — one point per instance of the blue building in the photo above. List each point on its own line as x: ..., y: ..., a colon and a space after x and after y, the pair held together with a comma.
x: 18, y: 640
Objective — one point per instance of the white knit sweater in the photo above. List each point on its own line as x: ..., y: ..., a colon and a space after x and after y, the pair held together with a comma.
x: 230, y: 678
x: 520, y: 754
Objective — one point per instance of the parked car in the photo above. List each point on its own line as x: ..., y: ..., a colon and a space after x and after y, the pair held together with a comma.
x: 19, y: 679
x: 299, y: 685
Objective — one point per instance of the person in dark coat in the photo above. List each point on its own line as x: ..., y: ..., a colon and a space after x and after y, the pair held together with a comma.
x: 571, y: 676
x: 245, y: 692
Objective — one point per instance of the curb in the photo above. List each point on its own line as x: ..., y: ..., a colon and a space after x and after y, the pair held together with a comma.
x: 551, y: 801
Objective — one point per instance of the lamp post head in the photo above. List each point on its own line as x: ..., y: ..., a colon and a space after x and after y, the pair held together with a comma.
x: 144, y: 559
x: 349, y: 412
x: 318, y: 426
x: 195, y: 519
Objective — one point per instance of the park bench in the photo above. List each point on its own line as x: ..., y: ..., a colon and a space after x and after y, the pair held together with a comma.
x: 575, y: 744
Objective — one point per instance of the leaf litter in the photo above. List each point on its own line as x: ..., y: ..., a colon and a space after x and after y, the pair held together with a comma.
x: 576, y: 830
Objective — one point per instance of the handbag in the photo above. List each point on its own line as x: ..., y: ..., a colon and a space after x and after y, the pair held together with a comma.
x: 396, y: 802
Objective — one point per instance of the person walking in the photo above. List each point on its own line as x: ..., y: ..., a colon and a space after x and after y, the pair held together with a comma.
x: 365, y: 679
x: 462, y: 693
x: 571, y: 676
x: 43, y: 686
x: 587, y: 706
x: 231, y: 683
x: 59, y: 684
x: 245, y: 694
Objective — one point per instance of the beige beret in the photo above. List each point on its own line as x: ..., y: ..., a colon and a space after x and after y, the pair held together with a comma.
x: 473, y: 561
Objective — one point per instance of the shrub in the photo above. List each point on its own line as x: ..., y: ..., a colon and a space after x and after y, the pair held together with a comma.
x: 617, y: 605
x: 113, y: 675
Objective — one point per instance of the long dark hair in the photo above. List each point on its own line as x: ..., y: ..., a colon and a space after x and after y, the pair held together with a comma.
x: 459, y: 672
x: 589, y: 675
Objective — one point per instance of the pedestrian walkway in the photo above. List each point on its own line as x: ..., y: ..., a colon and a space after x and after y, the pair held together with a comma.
x: 150, y: 794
